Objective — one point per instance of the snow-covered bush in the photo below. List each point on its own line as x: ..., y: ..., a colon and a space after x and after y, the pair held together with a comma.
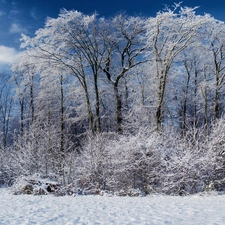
x: 153, y: 162
x: 35, y: 185
x: 149, y: 161
x: 38, y: 151
x: 95, y: 167
x: 8, y: 167
x: 115, y: 162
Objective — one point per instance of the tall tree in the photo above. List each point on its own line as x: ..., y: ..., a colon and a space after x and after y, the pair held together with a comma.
x: 169, y: 33
x: 71, y: 40
x: 123, y: 38
x: 6, y: 107
x: 217, y: 39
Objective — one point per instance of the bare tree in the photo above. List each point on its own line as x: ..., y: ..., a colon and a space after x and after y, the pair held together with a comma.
x: 169, y: 33
x: 6, y: 104
x: 217, y: 38
x: 72, y: 42
x: 123, y: 38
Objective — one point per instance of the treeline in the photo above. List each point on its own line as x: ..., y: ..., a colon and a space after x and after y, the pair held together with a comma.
x: 84, y: 87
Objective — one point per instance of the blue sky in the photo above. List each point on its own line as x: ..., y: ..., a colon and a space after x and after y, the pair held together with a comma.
x: 26, y: 16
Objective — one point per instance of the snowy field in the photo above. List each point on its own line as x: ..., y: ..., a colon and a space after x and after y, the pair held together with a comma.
x: 24, y: 209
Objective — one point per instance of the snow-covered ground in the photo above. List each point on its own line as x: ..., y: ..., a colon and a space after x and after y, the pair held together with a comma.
x: 25, y: 209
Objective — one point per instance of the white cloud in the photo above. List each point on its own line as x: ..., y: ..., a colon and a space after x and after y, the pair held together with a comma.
x: 7, y: 55
x: 33, y: 14
x: 2, y: 13
x: 14, y: 12
x: 17, y: 28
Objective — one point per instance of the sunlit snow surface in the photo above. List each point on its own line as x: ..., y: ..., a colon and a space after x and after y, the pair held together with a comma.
x: 25, y: 209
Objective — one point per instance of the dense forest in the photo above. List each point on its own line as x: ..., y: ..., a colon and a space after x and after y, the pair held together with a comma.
x: 119, y: 103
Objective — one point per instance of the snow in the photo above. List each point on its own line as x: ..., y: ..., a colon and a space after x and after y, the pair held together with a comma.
x: 68, y: 210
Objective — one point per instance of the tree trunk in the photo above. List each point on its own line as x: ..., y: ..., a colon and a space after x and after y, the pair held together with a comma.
x: 205, y: 103
x: 98, y: 125
x: 184, y: 113
x: 90, y: 114
x: 216, y: 99
x: 32, y: 101
x: 61, y: 115
x: 21, y: 117
x: 161, y: 92
x: 195, y: 101
x: 118, y: 109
